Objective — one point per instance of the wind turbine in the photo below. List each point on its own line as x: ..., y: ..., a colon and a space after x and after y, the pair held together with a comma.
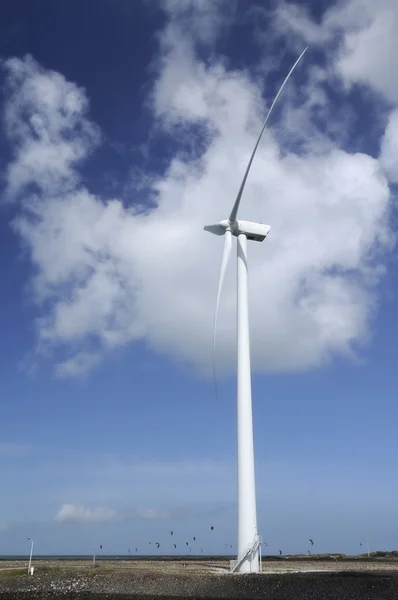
x: 249, y: 542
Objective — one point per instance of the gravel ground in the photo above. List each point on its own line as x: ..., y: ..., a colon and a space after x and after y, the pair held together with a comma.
x: 209, y: 581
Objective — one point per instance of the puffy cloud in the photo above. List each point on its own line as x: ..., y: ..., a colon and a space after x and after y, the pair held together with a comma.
x: 291, y: 18
x: 201, y: 19
x: 101, y: 269
x: 83, y: 514
x: 369, y: 45
x: 389, y: 148
x: 44, y: 117
x: 364, y: 32
x: 79, y: 513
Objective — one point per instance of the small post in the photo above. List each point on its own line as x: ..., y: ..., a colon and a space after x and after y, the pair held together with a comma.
x: 31, y: 552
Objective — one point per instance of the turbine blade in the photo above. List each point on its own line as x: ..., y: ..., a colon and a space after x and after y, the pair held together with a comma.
x: 224, y: 263
x: 235, y: 208
x: 216, y: 229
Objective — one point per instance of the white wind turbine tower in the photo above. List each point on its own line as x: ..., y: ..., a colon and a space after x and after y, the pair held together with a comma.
x: 249, y: 542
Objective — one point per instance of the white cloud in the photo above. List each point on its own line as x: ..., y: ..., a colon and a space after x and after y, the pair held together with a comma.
x: 101, y: 270
x: 370, y: 44
x: 79, y: 364
x: 291, y: 18
x: 151, y: 513
x: 44, y: 117
x: 202, y: 19
x: 82, y: 514
x: 389, y: 148
x: 365, y: 32
x: 79, y: 513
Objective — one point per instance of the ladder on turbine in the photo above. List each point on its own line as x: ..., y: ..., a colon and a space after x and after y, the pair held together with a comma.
x: 249, y: 549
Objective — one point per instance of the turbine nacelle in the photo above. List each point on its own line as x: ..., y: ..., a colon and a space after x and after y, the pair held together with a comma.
x: 256, y: 232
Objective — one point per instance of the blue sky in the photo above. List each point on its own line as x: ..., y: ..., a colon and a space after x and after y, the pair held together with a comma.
x: 126, y: 127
